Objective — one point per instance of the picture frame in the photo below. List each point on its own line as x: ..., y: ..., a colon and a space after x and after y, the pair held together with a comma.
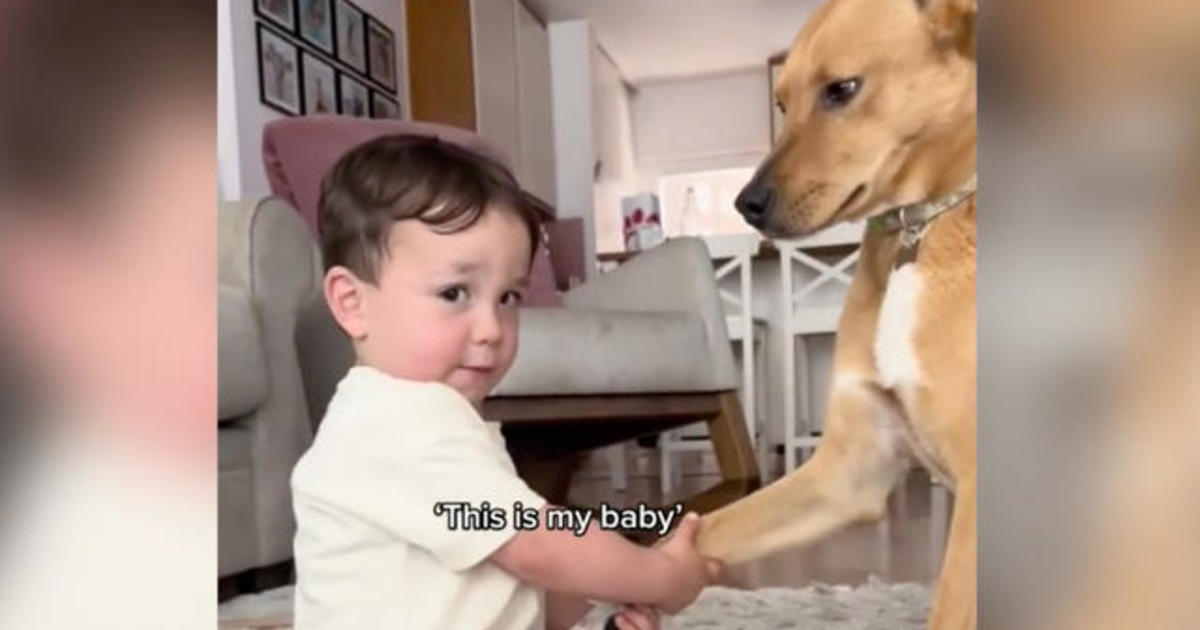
x: 353, y: 97
x: 774, y: 66
x: 315, y: 23
x: 282, y: 13
x: 383, y: 106
x: 381, y: 54
x: 278, y: 71
x: 350, y: 26
x: 320, y: 85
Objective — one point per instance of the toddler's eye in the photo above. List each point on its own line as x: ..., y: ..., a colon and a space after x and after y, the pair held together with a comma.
x: 453, y: 294
x: 512, y: 298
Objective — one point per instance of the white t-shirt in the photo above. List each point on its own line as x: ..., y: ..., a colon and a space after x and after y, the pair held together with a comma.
x: 370, y: 552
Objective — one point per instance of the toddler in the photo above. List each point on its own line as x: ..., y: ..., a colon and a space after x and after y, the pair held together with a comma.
x: 427, y: 249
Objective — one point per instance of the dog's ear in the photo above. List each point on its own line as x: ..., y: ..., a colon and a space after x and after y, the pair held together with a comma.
x: 952, y: 23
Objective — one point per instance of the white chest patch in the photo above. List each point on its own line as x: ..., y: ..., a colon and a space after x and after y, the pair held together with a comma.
x: 895, y: 350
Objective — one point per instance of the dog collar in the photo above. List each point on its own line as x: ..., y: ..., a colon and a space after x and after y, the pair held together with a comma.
x: 912, y: 219
x: 917, y: 215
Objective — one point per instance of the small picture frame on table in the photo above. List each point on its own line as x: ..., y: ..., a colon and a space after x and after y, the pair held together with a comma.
x: 381, y: 53
x: 278, y: 72
x: 383, y: 106
x: 280, y: 12
x: 320, y: 85
x: 316, y: 23
x: 350, y: 24
x: 355, y: 97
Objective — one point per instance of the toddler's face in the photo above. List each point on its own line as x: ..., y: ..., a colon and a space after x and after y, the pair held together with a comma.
x: 446, y: 305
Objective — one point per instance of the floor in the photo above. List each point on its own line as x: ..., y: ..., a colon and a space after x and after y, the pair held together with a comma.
x: 904, y: 547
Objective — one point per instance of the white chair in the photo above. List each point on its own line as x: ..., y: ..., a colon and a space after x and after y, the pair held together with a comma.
x: 802, y: 317
x: 734, y: 252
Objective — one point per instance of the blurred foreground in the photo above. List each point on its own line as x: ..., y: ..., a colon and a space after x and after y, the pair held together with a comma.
x: 107, y: 315
x: 1089, y: 296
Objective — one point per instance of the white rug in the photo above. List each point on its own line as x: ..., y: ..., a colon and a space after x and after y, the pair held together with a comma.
x: 871, y: 606
x: 874, y: 605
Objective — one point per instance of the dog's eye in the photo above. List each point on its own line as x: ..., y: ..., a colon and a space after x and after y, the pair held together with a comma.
x: 838, y: 93
x: 782, y: 109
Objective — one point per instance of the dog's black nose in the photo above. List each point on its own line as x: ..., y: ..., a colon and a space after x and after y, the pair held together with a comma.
x: 754, y: 202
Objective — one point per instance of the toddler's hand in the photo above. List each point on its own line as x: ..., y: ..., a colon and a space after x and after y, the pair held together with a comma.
x: 691, y: 571
x: 635, y: 617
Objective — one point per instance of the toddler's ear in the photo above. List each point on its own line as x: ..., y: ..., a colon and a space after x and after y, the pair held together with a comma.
x: 347, y: 302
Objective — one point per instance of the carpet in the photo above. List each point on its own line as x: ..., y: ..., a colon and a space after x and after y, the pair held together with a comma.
x: 874, y: 605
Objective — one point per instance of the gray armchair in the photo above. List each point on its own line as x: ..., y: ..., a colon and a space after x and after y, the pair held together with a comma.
x: 267, y: 270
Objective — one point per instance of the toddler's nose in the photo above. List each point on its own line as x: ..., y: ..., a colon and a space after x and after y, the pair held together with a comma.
x: 487, y: 328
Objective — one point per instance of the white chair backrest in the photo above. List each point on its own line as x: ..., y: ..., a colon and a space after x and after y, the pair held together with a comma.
x: 724, y: 246
x: 737, y: 250
x: 808, y: 318
x: 840, y: 234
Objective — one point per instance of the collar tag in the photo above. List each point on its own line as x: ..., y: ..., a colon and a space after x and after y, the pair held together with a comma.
x: 911, y: 235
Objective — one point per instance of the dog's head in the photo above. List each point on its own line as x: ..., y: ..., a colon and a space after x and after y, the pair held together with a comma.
x: 878, y: 99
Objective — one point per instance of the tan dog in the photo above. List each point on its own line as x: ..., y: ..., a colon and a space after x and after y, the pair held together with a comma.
x: 879, y: 106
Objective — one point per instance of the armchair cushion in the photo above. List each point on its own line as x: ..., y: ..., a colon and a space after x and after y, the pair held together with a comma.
x: 672, y: 277
x: 566, y: 352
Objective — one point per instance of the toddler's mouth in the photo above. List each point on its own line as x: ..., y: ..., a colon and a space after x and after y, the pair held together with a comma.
x: 481, y: 369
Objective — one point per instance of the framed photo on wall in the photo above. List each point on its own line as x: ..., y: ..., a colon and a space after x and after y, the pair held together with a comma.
x: 381, y: 53
x: 278, y: 72
x: 320, y: 85
x: 383, y: 106
x: 355, y: 99
x: 316, y: 23
x: 281, y: 12
x: 350, y: 24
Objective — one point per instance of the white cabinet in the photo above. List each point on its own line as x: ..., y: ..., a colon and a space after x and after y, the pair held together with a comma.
x: 511, y: 68
x: 494, y: 56
x: 536, y: 118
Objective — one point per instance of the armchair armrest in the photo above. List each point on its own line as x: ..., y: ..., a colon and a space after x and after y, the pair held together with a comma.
x: 241, y: 367
x: 266, y: 253
x: 674, y: 276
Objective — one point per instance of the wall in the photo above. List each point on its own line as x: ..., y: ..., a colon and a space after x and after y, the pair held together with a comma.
x: 702, y: 123
x: 707, y: 123
x: 229, y: 180
x: 701, y: 203
x: 240, y: 115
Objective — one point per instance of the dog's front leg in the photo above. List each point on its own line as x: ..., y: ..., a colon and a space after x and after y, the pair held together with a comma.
x: 859, y: 460
x: 954, y: 606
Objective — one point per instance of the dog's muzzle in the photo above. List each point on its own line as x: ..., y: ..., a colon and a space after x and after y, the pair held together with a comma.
x: 755, y: 201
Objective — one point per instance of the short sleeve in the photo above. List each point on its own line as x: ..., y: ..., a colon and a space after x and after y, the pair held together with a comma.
x: 394, y: 469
